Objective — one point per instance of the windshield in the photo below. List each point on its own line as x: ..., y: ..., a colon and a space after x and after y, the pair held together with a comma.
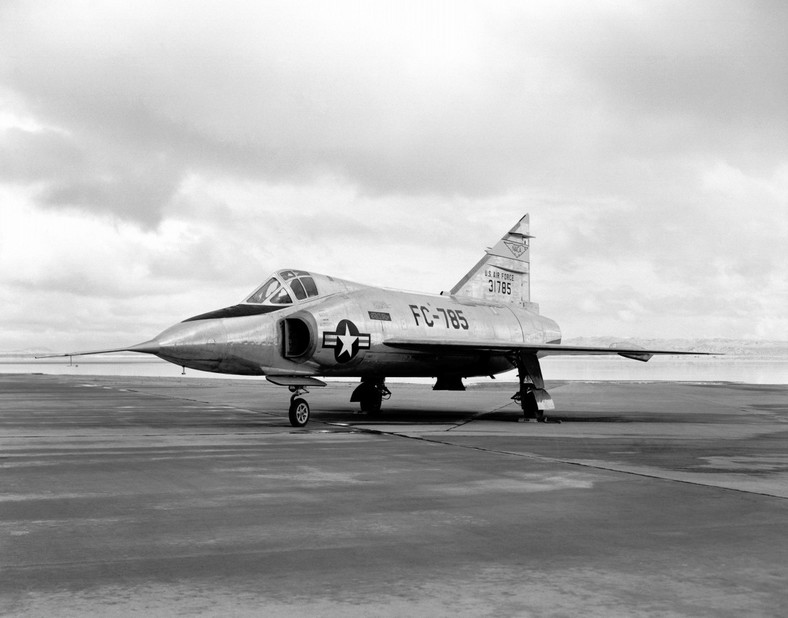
x: 281, y: 297
x: 264, y: 291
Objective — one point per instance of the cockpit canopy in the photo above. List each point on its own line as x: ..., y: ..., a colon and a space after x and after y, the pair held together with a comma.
x: 282, y: 286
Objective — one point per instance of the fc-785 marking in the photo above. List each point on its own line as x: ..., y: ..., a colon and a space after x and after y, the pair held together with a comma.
x: 300, y: 325
x: 451, y: 318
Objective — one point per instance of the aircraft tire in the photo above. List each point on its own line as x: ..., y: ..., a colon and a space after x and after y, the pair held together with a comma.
x: 530, y: 409
x: 299, y: 412
x: 371, y: 405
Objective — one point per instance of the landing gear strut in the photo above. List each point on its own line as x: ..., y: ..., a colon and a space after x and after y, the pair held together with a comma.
x: 299, y: 408
x: 532, y: 396
x: 370, y: 394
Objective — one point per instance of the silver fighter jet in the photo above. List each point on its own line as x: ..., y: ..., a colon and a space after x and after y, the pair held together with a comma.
x: 301, y: 325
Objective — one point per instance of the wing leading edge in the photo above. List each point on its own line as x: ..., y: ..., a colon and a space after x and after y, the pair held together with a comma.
x: 540, y: 349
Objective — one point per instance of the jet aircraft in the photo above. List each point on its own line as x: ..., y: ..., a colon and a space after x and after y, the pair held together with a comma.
x: 300, y: 326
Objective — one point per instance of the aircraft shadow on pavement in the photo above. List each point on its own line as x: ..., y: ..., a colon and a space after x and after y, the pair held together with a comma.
x: 426, y: 417
x: 402, y: 415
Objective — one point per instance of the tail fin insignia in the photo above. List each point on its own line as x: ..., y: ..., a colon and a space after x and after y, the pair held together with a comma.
x: 517, y: 249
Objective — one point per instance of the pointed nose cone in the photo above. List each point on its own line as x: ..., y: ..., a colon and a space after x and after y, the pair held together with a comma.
x: 190, y: 341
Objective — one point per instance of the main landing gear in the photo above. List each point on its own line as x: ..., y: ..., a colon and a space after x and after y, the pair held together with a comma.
x: 370, y: 394
x: 299, y: 408
x: 532, y: 396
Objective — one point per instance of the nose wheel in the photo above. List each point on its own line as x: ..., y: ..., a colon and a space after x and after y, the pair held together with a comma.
x: 299, y: 408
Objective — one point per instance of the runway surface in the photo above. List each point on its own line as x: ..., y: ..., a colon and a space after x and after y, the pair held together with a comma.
x: 122, y: 496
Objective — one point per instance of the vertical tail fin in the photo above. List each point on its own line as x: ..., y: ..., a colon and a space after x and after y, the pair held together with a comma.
x: 504, y: 274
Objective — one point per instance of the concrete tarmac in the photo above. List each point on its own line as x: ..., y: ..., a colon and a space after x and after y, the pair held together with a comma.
x: 162, y: 496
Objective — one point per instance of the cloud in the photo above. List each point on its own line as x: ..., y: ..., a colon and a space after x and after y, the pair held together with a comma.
x: 435, y: 98
x: 180, y: 151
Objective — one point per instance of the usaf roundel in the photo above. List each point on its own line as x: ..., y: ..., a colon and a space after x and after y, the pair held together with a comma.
x: 346, y: 341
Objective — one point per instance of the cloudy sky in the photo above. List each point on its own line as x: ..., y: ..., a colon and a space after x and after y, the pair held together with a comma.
x: 159, y: 159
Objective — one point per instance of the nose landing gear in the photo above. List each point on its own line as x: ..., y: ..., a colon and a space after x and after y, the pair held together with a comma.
x: 299, y: 408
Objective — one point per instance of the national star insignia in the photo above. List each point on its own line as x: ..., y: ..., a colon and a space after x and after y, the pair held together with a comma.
x: 346, y: 341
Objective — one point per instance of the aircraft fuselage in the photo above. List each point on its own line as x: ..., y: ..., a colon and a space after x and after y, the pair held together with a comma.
x: 343, y: 334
